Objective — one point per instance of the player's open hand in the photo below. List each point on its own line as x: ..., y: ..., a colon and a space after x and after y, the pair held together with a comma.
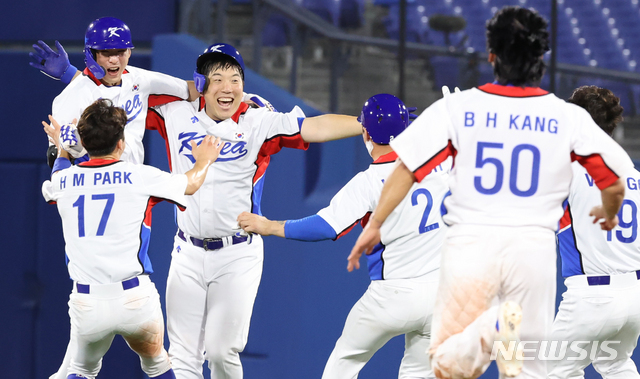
x: 599, y: 214
x: 51, y: 63
x: 207, y: 150
x: 369, y: 238
x: 253, y: 223
x: 53, y: 130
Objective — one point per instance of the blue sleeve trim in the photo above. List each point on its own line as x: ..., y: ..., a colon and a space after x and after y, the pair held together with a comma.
x: 69, y: 73
x: 83, y: 158
x: 300, y: 121
x: 60, y: 164
x: 312, y: 228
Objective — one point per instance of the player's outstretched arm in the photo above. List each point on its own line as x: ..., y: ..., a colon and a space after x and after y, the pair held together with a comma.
x: 253, y: 223
x: 394, y: 190
x: 612, y: 197
x: 311, y: 228
x: 205, y: 154
x: 329, y: 127
x: 54, y: 64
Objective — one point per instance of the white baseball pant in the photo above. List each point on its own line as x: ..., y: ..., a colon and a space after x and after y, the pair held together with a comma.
x: 480, y: 263
x: 597, y: 313
x: 108, y: 309
x: 387, y: 309
x: 210, y: 297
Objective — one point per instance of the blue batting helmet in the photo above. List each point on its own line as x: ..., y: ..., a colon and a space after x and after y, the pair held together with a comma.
x: 105, y: 33
x: 210, y: 53
x: 384, y: 117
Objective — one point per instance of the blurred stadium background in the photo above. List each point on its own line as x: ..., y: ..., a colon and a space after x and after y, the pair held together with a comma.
x: 326, y: 55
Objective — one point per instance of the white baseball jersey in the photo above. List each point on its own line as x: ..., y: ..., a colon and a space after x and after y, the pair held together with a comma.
x: 105, y: 206
x: 411, y: 236
x: 512, y: 150
x: 234, y: 181
x: 584, y: 247
x: 139, y: 90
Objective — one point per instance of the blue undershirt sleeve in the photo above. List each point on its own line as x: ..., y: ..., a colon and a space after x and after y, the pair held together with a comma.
x: 60, y: 164
x: 83, y: 158
x: 312, y: 228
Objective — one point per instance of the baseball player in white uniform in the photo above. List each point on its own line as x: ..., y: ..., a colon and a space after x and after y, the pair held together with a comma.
x: 107, y: 50
x: 404, y: 266
x: 601, y: 269
x: 215, y: 267
x: 105, y: 205
x: 108, y: 76
x: 513, y: 144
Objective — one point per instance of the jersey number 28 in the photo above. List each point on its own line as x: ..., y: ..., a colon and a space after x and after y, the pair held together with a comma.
x: 425, y: 215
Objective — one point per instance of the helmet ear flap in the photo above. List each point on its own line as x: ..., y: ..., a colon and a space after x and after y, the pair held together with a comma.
x: 199, y: 80
x: 92, y: 65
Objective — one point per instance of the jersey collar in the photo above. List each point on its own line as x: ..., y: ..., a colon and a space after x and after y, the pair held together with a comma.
x: 241, y: 110
x: 389, y: 157
x: 96, y: 80
x: 98, y: 162
x: 512, y: 91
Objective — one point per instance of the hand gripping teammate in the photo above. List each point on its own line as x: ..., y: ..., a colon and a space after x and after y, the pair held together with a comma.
x: 215, y: 267
x: 105, y: 205
x: 600, y: 268
x: 513, y: 144
x: 404, y: 266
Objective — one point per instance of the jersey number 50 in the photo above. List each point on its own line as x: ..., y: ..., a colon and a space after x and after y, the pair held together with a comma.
x: 109, y: 197
x: 481, y: 161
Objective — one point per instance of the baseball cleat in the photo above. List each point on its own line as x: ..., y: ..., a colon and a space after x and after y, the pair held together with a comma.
x: 509, y: 320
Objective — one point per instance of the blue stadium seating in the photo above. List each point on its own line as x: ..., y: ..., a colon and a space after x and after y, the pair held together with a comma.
x: 352, y: 13
x: 327, y: 9
x: 276, y: 31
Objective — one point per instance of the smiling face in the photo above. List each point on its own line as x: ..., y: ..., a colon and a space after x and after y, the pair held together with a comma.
x: 114, y: 62
x: 224, y: 91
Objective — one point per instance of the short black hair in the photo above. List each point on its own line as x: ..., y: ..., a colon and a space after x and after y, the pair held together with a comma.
x: 101, y: 126
x: 519, y: 38
x: 603, y: 106
x: 216, y: 61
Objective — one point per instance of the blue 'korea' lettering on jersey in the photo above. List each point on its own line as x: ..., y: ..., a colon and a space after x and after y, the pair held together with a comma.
x: 132, y: 106
x: 231, y: 151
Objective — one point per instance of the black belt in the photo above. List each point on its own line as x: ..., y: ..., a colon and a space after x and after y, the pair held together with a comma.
x: 212, y: 243
x: 604, y: 280
x: 126, y: 285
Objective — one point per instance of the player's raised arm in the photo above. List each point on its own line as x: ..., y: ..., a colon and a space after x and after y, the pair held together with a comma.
x: 394, y: 190
x: 205, y: 154
x: 329, y: 127
x: 54, y: 64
